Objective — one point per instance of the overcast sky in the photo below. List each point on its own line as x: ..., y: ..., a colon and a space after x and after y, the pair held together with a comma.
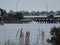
x: 30, y: 5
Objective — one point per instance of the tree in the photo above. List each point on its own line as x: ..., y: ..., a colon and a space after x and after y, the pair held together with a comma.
x: 19, y: 15
x: 15, y: 15
x: 51, y: 13
x: 55, y: 33
x: 37, y: 13
x: 43, y: 12
x: 2, y: 13
x: 11, y: 11
x: 33, y: 13
x: 10, y: 14
x: 57, y: 12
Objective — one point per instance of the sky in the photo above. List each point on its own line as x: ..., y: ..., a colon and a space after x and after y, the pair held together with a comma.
x: 30, y: 5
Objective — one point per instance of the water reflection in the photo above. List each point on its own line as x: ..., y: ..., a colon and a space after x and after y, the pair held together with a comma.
x: 8, y: 32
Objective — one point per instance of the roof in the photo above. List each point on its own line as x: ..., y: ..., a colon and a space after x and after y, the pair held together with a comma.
x: 39, y: 16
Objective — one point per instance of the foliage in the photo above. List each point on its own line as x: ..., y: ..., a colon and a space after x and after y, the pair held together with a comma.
x: 57, y: 12
x: 3, y: 12
x: 17, y: 15
x: 36, y: 13
x: 55, y: 33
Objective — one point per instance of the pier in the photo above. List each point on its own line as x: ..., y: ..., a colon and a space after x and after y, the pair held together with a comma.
x: 44, y: 19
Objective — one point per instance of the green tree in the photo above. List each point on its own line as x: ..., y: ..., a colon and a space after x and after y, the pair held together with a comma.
x: 10, y: 14
x: 43, y: 12
x: 19, y: 15
x: 57, y: 12
x: 51, y: 13
x: 2, y: 12
x: 15, y: 15
x: 55, y: 36
x: 37, y: 13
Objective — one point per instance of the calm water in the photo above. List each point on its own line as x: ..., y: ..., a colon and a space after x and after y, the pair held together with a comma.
x: 8, y: 31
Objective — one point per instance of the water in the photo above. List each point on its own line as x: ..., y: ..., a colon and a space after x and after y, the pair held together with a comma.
x: 8, y: 31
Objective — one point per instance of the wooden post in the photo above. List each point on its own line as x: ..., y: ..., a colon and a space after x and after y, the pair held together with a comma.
x: 21, y: 37
x: 27, y: 38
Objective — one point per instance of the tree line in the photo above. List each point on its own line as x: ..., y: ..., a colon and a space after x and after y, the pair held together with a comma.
x: 37, y: 13
x: 18, y: 15
x: 30, y: 13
